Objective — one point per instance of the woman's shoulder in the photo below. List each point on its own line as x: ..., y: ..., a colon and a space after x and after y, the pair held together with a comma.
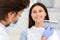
x: 23, y: 35
x: 24, y: 31
x: 58, y: 32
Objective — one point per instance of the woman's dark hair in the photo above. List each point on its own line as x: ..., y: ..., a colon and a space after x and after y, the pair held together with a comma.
x: 31, y: 22
x: 7, y: 6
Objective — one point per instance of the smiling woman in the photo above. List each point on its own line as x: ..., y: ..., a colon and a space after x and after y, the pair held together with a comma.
x: 36, y: 30
x: 40, y: 10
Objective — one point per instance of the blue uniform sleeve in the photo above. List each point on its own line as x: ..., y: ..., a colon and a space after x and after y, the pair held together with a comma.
x: 23, y: 35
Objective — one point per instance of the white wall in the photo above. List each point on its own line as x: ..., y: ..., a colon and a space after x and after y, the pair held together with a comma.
x: 57, y: 3
x: 54, y: 14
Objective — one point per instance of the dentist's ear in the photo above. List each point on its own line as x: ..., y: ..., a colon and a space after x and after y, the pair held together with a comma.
x: 10, y: 14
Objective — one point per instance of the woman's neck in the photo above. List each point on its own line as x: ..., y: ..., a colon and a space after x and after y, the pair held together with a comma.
x: 38, y: 24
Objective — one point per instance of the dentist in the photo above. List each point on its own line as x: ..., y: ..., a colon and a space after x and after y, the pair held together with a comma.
x: 10, y: 10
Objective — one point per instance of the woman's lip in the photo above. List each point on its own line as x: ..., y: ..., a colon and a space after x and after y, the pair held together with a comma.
x: 39, y: 17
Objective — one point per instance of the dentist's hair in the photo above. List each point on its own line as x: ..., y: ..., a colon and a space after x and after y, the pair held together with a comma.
x: 7, y: 6
x: 31, y: 21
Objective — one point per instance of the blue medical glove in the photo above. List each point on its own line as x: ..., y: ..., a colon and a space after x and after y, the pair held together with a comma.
x: 48, y: 32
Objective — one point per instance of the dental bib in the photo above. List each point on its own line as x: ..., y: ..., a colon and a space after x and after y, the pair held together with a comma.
x: 36, y: 33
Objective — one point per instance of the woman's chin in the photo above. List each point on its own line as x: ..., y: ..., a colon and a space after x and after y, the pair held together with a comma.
x: 39, y: 21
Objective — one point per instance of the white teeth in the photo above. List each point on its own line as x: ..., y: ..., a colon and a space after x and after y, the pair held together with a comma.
x: 37, y: 17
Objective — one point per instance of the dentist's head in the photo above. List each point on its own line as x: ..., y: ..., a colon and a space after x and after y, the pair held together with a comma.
x: 10, y: 10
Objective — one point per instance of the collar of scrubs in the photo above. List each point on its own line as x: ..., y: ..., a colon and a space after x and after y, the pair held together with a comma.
x: 1, y: 25
x: 38, y: 28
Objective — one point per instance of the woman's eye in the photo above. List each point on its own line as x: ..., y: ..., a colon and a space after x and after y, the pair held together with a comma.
x: 40, y: 11
x: 34, y: 12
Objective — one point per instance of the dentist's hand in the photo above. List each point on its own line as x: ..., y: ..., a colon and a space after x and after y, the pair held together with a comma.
x: 43, y: 38
x: 48, y: 32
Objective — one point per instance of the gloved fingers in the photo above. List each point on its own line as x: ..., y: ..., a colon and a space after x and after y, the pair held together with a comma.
x: 52, y: 30
x: 48, y: 28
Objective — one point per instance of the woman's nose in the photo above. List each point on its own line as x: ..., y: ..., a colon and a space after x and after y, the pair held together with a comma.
x: 38, y: 13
